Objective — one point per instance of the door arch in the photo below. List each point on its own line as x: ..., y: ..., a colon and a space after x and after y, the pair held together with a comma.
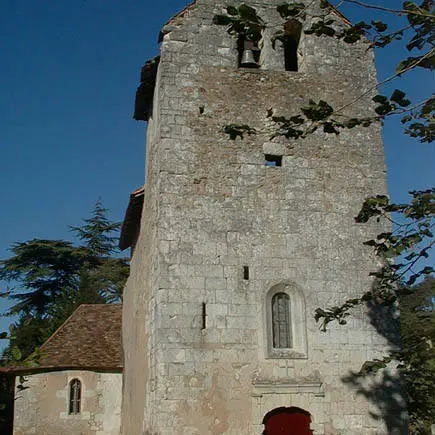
x: 287, y: 421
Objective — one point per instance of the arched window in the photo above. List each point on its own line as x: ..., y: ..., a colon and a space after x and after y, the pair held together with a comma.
x: 281, y: 326
x: 75, y: 392
x: 286, y: 326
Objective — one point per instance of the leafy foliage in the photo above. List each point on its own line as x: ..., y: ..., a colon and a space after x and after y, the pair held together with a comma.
x: 411, y: 243
x: 417, y: 313
x: 421, y: 123
x: 314, y: 116
x: 419, y: 120
x: 45, y: 268
x: 242, y: 19
x: 238, y: 130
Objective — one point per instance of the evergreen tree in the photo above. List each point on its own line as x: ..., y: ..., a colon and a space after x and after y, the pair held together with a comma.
x: 96, y: 232
x: 54, y: 277
x: 43, y: 270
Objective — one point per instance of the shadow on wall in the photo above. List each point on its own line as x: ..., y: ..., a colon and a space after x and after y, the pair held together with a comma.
x: 384, y: 389
x: 7, y: 391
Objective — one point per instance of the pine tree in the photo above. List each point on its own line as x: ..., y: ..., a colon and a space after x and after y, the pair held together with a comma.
x: 95, y: 233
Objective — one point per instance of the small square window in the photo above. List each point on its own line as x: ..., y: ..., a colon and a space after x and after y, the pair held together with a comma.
x: 272, y: 160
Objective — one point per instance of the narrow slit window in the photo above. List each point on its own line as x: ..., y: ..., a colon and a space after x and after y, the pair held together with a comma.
x: 281, y: 330
x: 245, y: 272
x: 204, y: 316
x: 273, y: 160
x: 75, y: 393
x: 291, y: 54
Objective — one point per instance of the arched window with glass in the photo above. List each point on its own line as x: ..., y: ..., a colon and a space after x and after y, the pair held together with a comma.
x: 75, y: 394
x: 281, y: 325
x: 286, y: 326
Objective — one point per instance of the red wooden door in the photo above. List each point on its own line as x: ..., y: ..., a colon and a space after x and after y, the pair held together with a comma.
x: 287, y: 421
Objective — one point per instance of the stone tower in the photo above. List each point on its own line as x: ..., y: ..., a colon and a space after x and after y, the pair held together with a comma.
x: 237, y: 242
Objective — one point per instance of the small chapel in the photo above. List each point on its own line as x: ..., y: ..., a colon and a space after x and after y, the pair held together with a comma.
x: 73, y: 385
x: 239, y: 234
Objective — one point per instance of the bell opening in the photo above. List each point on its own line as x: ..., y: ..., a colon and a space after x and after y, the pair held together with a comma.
x: 249, y: 52
x: 292, y: 35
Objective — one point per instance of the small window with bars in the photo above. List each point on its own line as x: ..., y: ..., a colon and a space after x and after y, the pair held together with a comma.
x: 75, y: 392
x: 281, y: 328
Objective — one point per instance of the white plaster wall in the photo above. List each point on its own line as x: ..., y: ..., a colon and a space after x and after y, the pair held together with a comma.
x: 42, y: 406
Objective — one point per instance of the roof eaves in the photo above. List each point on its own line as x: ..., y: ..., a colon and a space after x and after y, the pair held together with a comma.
x: 143, y: 104
x: 182, y: 14
x: 131, y: 224
x: 20, y: 370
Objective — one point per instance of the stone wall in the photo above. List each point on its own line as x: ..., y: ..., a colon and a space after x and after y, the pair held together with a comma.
x: 42, y: 408
x: 212, y: 207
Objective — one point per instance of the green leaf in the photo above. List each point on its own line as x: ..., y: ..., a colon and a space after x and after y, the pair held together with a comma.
x: 248, y: 13
x: 329, y: 127
x: 222, y: 20
x: 16, y: 353
x: 317, y: 111
x: 238, y: 130
x: 423, y: 61
x: 380, y: 99
x: 398, y: 96
x: 232, y: 10
x: 385, y: 109
x: 379, y: 26
x: 291, y: 10
x: 320, y: 28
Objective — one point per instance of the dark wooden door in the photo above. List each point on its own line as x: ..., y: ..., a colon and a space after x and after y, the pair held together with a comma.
x: 287, y: 421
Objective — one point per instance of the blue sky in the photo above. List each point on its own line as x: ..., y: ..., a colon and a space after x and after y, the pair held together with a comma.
x: 68, y: 79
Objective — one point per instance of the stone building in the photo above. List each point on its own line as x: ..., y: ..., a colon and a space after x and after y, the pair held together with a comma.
x: 76, y: 386
x: 235, y: 243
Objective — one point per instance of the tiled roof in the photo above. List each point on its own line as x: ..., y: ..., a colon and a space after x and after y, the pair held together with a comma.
x: 89, y: 339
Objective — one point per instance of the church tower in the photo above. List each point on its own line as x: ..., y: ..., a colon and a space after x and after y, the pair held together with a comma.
x: 236, y: 241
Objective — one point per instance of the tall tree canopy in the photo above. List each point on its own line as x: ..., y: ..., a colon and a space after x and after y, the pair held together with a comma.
x: 96, y: 232
x: 53, y: 277
x: 417, y: 313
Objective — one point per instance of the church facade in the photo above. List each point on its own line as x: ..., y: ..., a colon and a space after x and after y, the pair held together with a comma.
x: 236, y: 242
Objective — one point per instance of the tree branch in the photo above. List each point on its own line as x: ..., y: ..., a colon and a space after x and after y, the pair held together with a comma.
x: 389, y: 79
x: 394, y: 11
